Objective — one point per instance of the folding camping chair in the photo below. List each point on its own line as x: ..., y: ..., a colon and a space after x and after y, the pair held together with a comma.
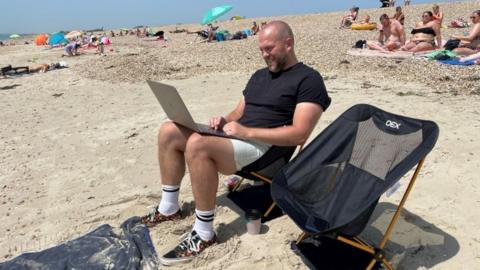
x: 265, y: 168
x: 332, y: 187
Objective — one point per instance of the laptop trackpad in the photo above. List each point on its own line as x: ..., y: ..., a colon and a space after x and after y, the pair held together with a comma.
x: 205, y: 129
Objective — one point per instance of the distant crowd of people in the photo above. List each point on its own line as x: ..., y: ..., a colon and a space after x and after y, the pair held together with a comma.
x: 391, y: 3
x: 425, y: 36
x: 212, y: 33
x: 138, y: 31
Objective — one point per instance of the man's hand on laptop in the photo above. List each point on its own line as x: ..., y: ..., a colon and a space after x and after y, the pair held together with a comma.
x: 217, y: 123
x: 233, y: 128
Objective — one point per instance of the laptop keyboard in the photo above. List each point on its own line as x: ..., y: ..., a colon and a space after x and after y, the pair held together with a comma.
x: 205, y: 129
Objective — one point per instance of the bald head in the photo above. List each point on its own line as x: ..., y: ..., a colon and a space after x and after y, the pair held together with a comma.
x: 277, y: 46
x: 277, y: 30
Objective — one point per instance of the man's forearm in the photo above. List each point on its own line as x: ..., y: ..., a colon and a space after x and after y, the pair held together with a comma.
x: 232, y: 116
x: 281, y: 136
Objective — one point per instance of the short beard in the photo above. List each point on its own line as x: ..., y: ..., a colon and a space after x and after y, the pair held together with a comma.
x: 281, y: 64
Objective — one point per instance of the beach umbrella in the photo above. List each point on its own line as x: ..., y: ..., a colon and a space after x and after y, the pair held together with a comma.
x: 73, y: 34
x: 215, y: 13
x: 41, y: 39
x: 57, y: 38
x: 14, y: 36
x: 124, y: 29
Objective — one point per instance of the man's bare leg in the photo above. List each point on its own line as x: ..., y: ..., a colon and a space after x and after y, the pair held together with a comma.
x: 172, y: 141
x: 206, y: 156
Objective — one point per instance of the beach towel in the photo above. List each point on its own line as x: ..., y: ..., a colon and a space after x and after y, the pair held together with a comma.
x: 457, y: 62
x: 441, y: 55
x: 104, y: 248
x: 394, y: 55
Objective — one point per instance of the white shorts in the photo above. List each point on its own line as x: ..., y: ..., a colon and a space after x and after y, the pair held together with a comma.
x: 246, y: 152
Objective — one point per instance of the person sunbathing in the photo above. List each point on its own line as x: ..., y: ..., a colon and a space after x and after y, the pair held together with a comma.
x: 424, y: 35
x: 255, y: 28
x: 391, y: 35
x: 366, y: 20
x: 348, y: 19
x: 46, y: 67
x: 208, y: 33
x: 470, y: 44
x: 437, y: 14
x: 399, y: 16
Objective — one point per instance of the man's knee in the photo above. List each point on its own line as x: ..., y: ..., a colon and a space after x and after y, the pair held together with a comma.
x: 168, y: 133
x: 197, y: 146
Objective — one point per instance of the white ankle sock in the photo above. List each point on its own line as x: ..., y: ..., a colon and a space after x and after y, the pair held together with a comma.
x: 204, y: 224
x: 169, y: 202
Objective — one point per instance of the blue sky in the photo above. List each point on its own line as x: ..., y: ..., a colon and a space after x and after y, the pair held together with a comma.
x: 33, y: 16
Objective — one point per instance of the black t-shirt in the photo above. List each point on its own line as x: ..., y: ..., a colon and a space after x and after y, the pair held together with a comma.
x: 270, y: 98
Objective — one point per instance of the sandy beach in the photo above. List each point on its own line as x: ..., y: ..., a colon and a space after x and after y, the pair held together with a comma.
x: 78, y: 145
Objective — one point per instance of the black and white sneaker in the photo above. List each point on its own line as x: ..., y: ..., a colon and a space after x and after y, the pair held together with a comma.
x: 187, y: 250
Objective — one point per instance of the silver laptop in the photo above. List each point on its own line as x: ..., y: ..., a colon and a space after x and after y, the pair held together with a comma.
x: 176, y: 110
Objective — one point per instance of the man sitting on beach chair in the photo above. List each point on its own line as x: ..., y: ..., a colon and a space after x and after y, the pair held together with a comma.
x: 281, y: 105
x: 391, y: 35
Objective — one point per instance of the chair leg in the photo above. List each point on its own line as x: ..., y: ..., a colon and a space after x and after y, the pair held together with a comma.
x: 269, y: 209
x: 359, y: 240
x: 395, y: 218
x: 400, y: 206
x: 387, y: 264
x: 371, y: 264
x: 384, y: 262
x: 301, y: 237
x: 237, y: 185
x: 261, y: 177
x: 355, y: 244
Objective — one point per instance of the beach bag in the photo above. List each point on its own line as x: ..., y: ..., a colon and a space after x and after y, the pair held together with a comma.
x: 452, y: 44
x: 239, y: 35
x: 219, y: 36
x: 360, y: 43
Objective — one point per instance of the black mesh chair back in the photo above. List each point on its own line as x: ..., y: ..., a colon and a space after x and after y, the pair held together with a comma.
x: 334, y: 184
